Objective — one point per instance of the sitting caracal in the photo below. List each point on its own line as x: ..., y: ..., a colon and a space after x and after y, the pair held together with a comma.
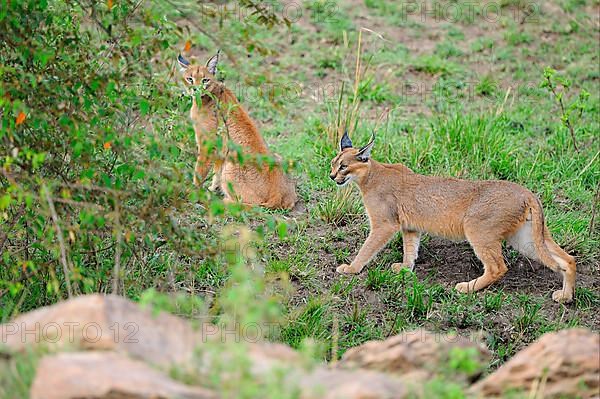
x: 251, y: 183
x: 483, y: 212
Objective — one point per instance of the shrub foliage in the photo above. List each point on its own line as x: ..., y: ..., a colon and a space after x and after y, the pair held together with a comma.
x: 96, y: 152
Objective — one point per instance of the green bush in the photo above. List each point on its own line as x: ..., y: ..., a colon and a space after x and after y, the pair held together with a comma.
x: 96, y: 153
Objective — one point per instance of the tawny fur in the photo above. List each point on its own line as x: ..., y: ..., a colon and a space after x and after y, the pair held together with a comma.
x: 485, y: 213
x: 250, y: 183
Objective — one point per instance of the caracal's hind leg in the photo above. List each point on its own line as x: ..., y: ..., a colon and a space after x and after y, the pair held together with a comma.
x: 567, y: 266
x: 410, y: 248
x: 549, y: 254
x: 489, y: 253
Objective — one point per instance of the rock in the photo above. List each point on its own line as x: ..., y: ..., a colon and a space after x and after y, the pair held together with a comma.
x: 109, y: 322
x: 106, y: 375
x: 267, y: 356
x: 98, y: 322
x: 323, y: 383
x: 415, y: 355
x: 559, y: 364
x: 115, y: 324
x: 123, y: 341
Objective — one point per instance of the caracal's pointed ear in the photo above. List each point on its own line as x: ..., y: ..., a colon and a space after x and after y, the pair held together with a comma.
x: 183, y: 63
x: 345, y: 142
x: 365, y: 153
x: 211, y: 64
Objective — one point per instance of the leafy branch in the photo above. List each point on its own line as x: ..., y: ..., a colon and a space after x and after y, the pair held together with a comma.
x: 552, y: 81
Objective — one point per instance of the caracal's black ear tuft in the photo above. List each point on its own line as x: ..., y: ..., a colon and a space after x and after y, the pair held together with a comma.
x: 183, y: 63
x: 345, y: 142
x: 211, y: 64
x: 365, y: 153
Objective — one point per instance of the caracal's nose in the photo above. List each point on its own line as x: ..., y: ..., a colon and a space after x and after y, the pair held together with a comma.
x: 332, y: 177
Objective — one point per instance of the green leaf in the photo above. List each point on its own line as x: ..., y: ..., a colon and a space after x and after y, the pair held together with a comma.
x: 5, y: 201
x: 144, y: 106
x: 282, y: 230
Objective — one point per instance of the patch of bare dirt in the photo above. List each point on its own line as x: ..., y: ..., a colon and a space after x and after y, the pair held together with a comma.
x: 449, y: 262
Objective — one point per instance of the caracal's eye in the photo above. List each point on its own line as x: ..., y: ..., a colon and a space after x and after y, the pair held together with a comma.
x: 205, y: 81
x: 342, y: 166
x: 190, y: 80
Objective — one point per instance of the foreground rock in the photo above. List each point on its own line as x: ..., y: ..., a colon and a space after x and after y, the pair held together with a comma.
x: 323, y: 383
x: 106, y: 375
x: 129, y: 351
x: 416, y: 355
x: 560, y: 364
x: 128, y: 347
x: 98, y: 322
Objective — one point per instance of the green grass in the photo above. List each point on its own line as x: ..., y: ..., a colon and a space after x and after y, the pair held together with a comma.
x: 434, y: 64
x: 17, y: 373
x: 312, y: 320
x: 486, y: 86
x: 341, y: 207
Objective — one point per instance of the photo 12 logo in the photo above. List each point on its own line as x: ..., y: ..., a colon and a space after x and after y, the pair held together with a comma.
x: 239, y: 332
x: 469, y: 11
x: 66, y: 331
x: 320, y: 11
x: 288, y: 92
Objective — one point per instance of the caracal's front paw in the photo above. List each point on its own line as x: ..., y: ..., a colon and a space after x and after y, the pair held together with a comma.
x: 465, y: 287
x: 561, y: 296
x: 396, y: 267
x: 346, y: 269
x: 215, y: 183
x: 214, y: 188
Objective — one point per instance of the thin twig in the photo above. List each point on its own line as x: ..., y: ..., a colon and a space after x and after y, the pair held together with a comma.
x: 61, y: 241
x: 383, y: 115
x: 119, y: 238
x: 355, y: 100
x: 565, y: 115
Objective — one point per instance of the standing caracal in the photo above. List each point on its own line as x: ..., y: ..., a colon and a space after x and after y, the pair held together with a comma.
x: 483, y: 212
x: 252, y: 183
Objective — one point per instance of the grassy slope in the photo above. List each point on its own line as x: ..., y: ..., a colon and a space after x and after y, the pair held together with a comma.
x: 446, y: 82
